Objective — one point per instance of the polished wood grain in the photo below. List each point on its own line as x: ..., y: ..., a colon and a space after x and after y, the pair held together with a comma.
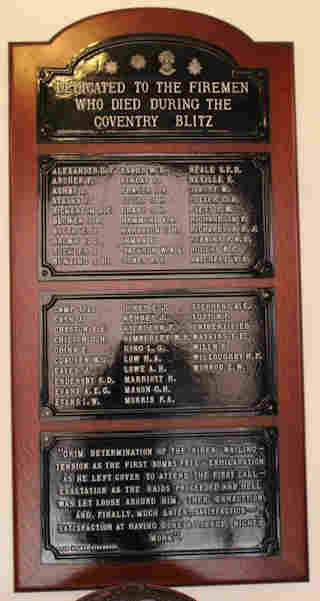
x: 292, y: 563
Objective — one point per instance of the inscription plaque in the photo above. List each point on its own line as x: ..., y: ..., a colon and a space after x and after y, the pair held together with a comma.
x: 161, y: 87
x: 178, y: 353
x: 159, y: 494
x: 128, y: 216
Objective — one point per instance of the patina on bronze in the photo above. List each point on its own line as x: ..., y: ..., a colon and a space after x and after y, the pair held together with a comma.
x: 126, y: 216
x: 178, y: 353
x: 136, y: 592
x: 152, y: 87
x: 159, y: 495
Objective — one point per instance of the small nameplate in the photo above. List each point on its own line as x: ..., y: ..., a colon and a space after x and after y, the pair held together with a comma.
x: 161, y: 354
x: 155, y: 87
x: 141, y: 495
x: 125, y: 216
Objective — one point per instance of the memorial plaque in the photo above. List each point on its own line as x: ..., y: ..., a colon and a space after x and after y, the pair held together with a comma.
x: 161, y: 354
x: 158, y: 402
x: 127, y: 216
x: 152, y: 87
x: 159, y: 494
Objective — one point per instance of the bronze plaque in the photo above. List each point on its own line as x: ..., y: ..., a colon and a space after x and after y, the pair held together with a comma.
x: 136, y: 592
x: 138, y: 495
x: 176, y: 353
x: 125, y: 216
x: 152, y: 87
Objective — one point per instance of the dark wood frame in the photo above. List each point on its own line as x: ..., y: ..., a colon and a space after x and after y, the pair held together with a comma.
x: 291, y: 564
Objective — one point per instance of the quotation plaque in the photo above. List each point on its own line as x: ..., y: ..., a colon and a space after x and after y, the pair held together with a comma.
x: 161, y: 494
x: 155, y: 287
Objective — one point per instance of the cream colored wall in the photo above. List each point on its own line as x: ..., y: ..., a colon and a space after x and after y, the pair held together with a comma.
x: 271, y: 20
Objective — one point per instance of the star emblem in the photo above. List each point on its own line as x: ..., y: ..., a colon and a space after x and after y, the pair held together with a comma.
x: 111, y: 67
x: 138, y: 62
x: 194, y: 67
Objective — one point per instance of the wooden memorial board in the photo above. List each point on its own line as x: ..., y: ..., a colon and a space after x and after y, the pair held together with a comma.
x: 157, y: 377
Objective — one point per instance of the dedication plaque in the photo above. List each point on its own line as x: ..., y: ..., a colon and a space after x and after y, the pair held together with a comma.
x: 172, y: 354
x: 159, y: 494
x: 156, y: 337
x: 155, y: 87
x: 128, y: 216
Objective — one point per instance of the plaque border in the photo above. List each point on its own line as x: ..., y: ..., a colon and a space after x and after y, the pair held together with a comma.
x: 268, y: 405
x: 264, y: 266
x: 270, y: 545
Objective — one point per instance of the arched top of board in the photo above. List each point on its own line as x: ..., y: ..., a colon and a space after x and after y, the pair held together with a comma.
x: 151, y: 74
x: 169, y: 21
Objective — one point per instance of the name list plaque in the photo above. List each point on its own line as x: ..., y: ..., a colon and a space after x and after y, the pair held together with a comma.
x: 160, y: 355
x: 124, y: 217
x: 158, y: 419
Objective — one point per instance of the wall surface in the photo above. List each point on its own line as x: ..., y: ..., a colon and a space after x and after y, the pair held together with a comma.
x: 270, y: 21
